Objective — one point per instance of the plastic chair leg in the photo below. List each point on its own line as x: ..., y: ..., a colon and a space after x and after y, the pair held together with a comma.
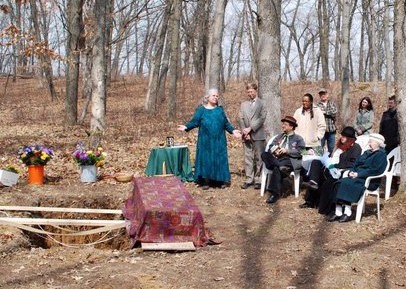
x: 388, y: 186
x: 360, y: 208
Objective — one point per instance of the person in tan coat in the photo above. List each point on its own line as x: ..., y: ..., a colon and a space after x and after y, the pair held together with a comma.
x: 311, y: 125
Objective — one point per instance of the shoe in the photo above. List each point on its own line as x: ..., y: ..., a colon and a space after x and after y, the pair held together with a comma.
x: 257, y: 186
x: 245, y: 186
x: 205, y: 187
x: 333, y: 217
x: 311, y: 185
x: 344, y: 218
x: 223, y: 186
x: 272, y: 199
x: 306, y: 205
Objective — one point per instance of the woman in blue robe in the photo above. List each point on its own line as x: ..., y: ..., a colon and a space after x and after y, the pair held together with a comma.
x: 211, y: 162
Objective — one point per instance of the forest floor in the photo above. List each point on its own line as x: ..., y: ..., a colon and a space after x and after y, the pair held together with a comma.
x: 263, y: 246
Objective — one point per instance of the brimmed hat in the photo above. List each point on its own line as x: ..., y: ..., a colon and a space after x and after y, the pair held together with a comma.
x: 322, y: 90
x: 290, y: 119
x: 348, y: 131
x: 378, y: 138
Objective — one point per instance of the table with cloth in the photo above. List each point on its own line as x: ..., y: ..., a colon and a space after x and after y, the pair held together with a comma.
x: 170, y: 160
x: 160, y: 209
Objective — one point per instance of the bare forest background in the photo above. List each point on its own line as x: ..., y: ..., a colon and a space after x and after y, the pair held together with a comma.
x: 91, y: 44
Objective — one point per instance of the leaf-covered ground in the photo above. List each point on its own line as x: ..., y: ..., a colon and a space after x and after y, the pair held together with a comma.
x: 263, y: 246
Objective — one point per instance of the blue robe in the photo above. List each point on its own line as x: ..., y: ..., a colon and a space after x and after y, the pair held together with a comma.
x: 211, y: 160
x: 368, y: 164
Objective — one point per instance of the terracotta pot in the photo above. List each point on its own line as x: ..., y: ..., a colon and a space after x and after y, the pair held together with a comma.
x: 36, y: 175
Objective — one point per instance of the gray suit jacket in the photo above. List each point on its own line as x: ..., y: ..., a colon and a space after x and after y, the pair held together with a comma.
x: 253, y: 116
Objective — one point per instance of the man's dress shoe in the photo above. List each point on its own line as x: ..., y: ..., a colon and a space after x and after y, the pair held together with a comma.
x: 344, y: 218
x: 333, y: 217
x: 272, y: 199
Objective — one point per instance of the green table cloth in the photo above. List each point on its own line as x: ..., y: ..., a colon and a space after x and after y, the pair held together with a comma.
x: 175, y: 160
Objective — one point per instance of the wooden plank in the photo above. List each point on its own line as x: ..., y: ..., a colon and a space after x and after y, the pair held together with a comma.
x: 65, y: 210
x: 176, y: 246
x: 61, y: 222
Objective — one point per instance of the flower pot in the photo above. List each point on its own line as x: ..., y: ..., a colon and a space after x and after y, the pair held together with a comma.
x: 36, y: 175
x: 88, y: 174
x: 8, y: 178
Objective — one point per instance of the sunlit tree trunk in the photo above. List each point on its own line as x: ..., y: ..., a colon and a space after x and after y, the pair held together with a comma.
x: 269, y: 72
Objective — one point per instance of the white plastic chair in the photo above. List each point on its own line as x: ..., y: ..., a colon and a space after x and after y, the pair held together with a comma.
x: 376, y: 193
x: 266, y: 172
x: 394, y: 170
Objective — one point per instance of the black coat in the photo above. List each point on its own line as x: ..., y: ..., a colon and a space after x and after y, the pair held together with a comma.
x: 389, y: 128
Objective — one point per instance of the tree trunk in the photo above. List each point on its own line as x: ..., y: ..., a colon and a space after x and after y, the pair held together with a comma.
x: 74, y: 25
x: 388, y: 52
x: 174, y: 37
x: 44, y: 58
x: 344, y: 58
x: 99, y: 69
x: 324, y: 28
x: 400, y: 78
x: 213, y: 65
x: 269, y: 72
x: 155, y: 72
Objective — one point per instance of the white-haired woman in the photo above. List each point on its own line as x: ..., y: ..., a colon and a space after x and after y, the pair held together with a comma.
x: 211, y: 162
x: 371, y: 163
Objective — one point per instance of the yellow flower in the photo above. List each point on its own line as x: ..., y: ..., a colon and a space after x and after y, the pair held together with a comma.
x: 44, y: 156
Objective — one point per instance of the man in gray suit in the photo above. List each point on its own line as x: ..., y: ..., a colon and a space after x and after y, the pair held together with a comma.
x: 251, y: 119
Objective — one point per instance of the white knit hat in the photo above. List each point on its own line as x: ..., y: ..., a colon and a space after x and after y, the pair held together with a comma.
x: 378, y: 138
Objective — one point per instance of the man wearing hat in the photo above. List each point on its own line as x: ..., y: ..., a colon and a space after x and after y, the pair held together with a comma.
x: 329, y: 109
x: 283, y: 156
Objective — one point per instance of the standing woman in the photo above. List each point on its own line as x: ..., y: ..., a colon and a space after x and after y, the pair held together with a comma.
x: 211, y: 162
x: 311, y: 125
x: 365, y: 117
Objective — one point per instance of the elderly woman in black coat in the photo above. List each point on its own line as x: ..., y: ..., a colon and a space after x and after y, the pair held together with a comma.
x: 371, y: 163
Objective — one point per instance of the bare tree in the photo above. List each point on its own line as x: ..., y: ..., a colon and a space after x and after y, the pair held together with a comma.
x: 174, y: 32
x: 400, y: 76
x: 324, y: 32
x: 45, y: 58
x: 75, y: 43
x: 99, y: 70
x: 388, y: 53
x: 213, y: 61
x: 344, y: 60
x: 269, y: 72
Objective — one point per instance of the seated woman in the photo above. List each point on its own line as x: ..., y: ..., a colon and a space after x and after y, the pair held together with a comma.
x: 344, y: 155
x: 349, y: 190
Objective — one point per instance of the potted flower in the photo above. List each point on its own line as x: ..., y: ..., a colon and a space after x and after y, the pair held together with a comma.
x: 9, y: 176
x: 35, y: 157
x: 88, y: 160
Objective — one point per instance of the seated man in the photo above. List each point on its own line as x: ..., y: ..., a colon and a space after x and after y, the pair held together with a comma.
x: 283, y: 156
